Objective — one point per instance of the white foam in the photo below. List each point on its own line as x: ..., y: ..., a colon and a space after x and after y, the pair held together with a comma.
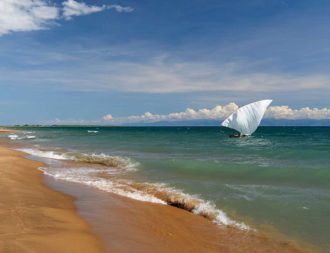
x: 90, y: 176
x: 220, y: 216
x: 205, y: 208
x: 13, y: 136
x: 92, y: 131
x: 85, y: 176
x: 44, y: 154
x: 20, y: 137
x: 102, y: 159
x: 30, y: 136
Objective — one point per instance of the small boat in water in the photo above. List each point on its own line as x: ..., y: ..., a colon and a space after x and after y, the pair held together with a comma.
x: 247, y: 118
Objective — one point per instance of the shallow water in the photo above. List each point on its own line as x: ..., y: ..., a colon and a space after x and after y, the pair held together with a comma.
x: 278, y: 178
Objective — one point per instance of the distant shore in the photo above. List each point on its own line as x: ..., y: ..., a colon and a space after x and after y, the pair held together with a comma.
x: 39, y: 219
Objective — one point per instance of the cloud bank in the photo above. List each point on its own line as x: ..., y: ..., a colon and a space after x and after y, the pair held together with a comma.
x: 285, y: 112
x: 219, y: 112
x: 32, y: 15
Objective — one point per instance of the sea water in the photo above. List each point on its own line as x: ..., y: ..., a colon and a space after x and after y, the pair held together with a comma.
x: 276, y: 180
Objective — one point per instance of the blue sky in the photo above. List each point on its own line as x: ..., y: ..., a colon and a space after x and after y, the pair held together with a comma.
x: 130, y: 57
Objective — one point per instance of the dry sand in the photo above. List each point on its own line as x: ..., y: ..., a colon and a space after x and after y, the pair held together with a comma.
x: 34, y: 218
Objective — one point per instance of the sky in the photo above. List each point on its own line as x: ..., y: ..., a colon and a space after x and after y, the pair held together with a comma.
x: 102, y: 61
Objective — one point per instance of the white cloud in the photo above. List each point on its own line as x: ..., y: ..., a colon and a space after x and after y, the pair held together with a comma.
x: 74, y: 8
x: 285, y: 112
x: 108, y: 117
x: 170, y: 75
x: 71, y: 121
x: 219, y: 112
x: 120, y: 8
x: 189, y: 114
x: 26, y: 15
x: 32, y: 15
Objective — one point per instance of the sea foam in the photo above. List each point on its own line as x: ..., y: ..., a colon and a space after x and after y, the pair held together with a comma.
x: 100, y: 159
x: 20, y: 137
x: 113, y: 167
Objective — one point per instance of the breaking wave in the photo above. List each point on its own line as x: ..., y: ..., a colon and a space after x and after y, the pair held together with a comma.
x: 108, y: 177
x: 89, y: 176
x: 191, y: 203
x: 21, y: 137
x: 155, y: 193
x: 100, y: 159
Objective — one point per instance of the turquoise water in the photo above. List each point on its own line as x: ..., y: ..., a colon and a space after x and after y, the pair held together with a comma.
x: 278, y: 178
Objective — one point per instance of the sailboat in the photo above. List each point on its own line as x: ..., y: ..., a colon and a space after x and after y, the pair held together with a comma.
x: 247, y: 118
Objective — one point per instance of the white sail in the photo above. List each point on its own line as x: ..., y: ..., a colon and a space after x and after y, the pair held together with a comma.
x: 247, y: 118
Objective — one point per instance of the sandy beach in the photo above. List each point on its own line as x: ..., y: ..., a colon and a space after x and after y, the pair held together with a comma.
x: 36, y: 218
x: 5, y: 131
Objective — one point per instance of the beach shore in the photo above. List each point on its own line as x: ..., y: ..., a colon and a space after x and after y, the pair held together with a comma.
x: 35, y: 218
x: 5, y: 131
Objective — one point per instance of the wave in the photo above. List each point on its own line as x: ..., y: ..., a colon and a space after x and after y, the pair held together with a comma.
x: 155, y: 193
x: 88, y: 176
x: 106, y: 178
x: 92, y: 131
x: 100, y: 159
x: 20, y: 137
x: 44, y: 154
x: 177, y: 198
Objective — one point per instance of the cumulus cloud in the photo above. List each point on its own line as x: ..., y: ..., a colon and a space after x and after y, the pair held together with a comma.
x: 108, y: 117
x: 285, y: 112
x: 189, y: 114
x: 26, y: 15
x: 220, y: 112
x: 32, y: 15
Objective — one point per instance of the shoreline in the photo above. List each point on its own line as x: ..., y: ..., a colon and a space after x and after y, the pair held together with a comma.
x: 144, y: 227
x: 127, y: 225
x: 9, y: 131
x: 35, y: 218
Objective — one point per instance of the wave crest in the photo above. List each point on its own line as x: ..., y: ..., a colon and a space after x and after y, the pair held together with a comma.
x: 100, y: 159
x: 155, y: 193
x: 103, y: 159
x: 149, y: 192
x: 20, y: 137
x: 191, y: 203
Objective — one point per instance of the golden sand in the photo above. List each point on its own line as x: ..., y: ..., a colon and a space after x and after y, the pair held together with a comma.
x: 4, y: 131
x: 34, y: 218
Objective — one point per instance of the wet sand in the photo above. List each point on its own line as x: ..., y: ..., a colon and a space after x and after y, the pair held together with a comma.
x: 127, y: 225
x: 34, y: 218
x: 8, y: 131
